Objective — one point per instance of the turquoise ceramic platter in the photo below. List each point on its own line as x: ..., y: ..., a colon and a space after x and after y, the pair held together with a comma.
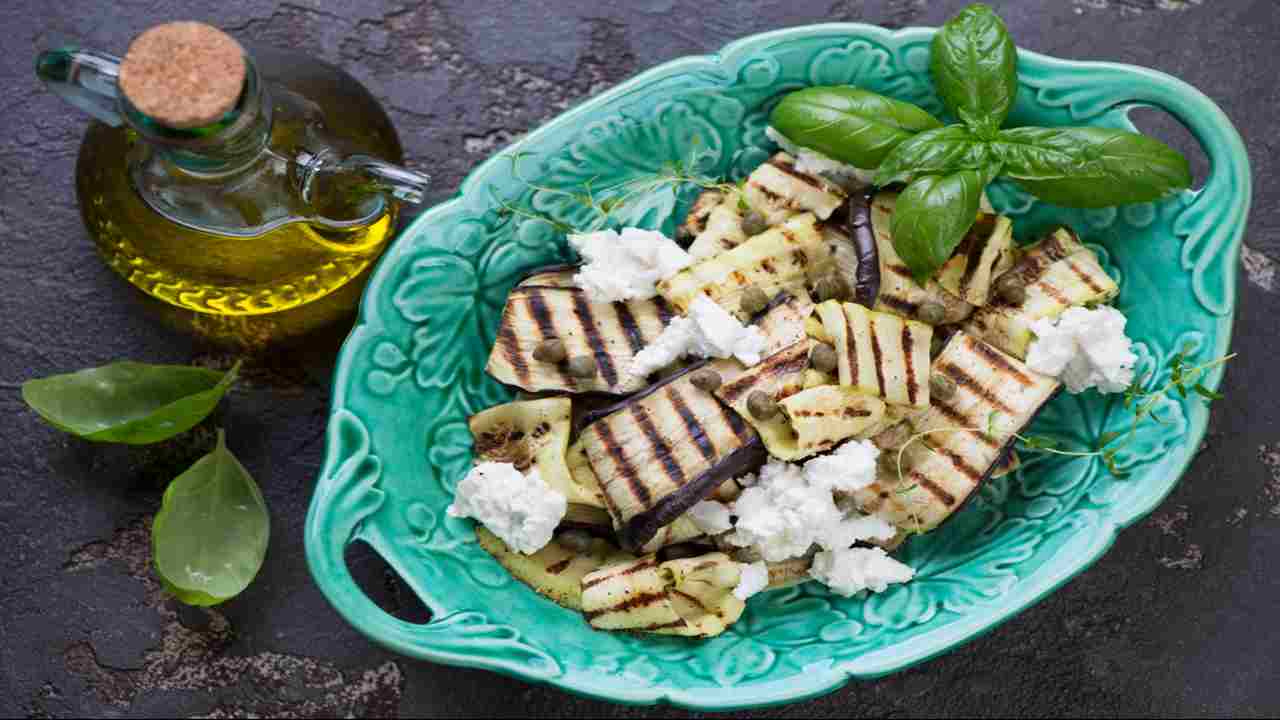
x: 413, y: 370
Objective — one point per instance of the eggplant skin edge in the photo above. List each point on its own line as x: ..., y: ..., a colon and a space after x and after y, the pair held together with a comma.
x: 861, y: 233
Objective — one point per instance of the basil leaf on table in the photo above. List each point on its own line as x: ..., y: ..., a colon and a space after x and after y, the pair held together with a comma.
x: 210, y: 536
x: 851, y: 125
x: 975, y: 68
x: 935, y: 152
x: 1091, y: 167
x: 932, y: 216
x: 128, y: 402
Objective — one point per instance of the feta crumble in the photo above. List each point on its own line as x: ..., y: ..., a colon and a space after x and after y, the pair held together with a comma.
x: 520, y: 509
x: 812, y: 162
x: 708, y: 331
x: 850, y: 468
x: 711, y: 517
x: 754, y: 579
x: 852, y: 570
x: 626, y: 265
x: 1084, y: 348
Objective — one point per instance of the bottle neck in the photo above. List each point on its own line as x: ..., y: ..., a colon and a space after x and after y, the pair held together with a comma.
x: 227, y: 145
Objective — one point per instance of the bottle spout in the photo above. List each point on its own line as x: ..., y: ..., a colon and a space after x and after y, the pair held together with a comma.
x: 86, y: 79
x: 329, y: 181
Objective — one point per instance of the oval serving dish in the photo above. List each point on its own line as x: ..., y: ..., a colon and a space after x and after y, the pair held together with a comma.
x: 413, y: 370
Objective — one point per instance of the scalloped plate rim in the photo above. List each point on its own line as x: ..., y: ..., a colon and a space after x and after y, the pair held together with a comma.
x: 873, y: 664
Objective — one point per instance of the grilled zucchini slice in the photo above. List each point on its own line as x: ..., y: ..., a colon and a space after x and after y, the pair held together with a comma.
x: 985, y: 253
x: 899, y: 293
x: 784, y: 259
x: 1058, y: 272
x: 777, y: 191
x: 720, y: 229
x: 691, y: 597
x: 824, y: 416
x: 941, y: 470
x: 609, y: 332
x: 531, y: 433
x: 695, y: 222
x: 879, y: 353
x: 662, y: 451
x: 555, y: 571
x: 816, y: 378
x: 780, y: 375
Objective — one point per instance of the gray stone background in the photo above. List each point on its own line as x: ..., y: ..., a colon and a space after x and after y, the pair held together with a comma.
x: 1178, y: 619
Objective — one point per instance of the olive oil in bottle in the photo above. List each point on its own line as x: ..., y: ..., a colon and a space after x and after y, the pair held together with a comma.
x: 247, y: 195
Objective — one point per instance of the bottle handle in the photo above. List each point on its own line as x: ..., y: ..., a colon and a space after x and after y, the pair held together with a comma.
x: 323, y: 175
x: 84, y: 78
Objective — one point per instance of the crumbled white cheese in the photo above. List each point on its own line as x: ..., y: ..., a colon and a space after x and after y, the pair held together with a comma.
x: 520, y: 509
x: 852, y: 570
x: 850, y: 468
x: 857, y: 527
x: 754, y: 579
x: 708, y: 331
x: 711, y: 517
x: 1084, y: 348
x: 626, y: 265
x: 812, y: 162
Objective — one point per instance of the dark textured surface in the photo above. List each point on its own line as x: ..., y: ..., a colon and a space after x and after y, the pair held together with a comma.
x: 1178, y: 619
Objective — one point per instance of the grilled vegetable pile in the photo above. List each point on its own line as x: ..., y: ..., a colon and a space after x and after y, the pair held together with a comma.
x: 855, y: 349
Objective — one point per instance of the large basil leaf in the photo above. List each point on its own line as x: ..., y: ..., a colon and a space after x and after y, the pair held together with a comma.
x: 210, y: 536
x: 1091, y: 167
x: 935, y: 152
x: 932, y: 216
x: 851, y: 125
x: 128, y: 402
x: 975, y: 68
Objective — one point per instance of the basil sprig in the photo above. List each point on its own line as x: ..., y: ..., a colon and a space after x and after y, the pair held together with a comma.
x: 974, y: 67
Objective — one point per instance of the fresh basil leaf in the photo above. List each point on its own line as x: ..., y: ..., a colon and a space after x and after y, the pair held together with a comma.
x: 1091, y: 167
x: 851, y: 125
x: 128, y: 402
x: 975, y: 68
x: 932, y: 216
x: 935, y: 152
x: 210, y: 536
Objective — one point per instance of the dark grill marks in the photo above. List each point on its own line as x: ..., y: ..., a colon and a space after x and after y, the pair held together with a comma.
x: 638, y: 567
x: 693, y: 599
x: 661, y: 626
x: 665, y: 311
x: 958, y: 462
x: 973, y: 260
x: 692, y: 426
x: 541, y: 314
x: 739, y: 426
x: 900, y: 270
x: 629, y: 327
x: 877, y: 355
x: 904, y: 307
x: 1051, y: 291
x: 559, y: 567
x: 510, y: 345
x: 965, y: 380
x: 789, y: 169
x: 661, y: 450
x: 783, y: 361
x: 998, y: 361
x: 628, y: 473
x: 850, y: 348
x: 913, y: 387
x: 582, y: 311
x: 799, y: 258
x: 767, y: 265
x: 1084, y: 277
x: 638, y: 600
x: 933, y: 488
x: 959, y: 418
x: 771, y: 195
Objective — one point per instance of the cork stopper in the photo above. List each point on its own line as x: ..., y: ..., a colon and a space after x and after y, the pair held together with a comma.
x: 183, y: 74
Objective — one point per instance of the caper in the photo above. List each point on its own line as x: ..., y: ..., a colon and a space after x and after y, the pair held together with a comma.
x: 577, y: 540
x: 754, y: 224
x: 706, y: 379
x: 582, y: 366
x: 831, y: 288
x: 1010, y: 289
x: 941, y: 386
x: 753, y: 300
x: 932, y: 313
x: 823, y: 358
x: 761, y: 405
x: 936, y: 344
x: 550, y: 351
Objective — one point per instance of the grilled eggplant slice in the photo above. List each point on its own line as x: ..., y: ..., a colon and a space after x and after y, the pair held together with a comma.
x: 985, y: 253
x: 691, y: 597
x: 879, y: 353
x: 783, y: 259
x: 611, y: 333
x: 555, y: 571
x: 779, y: 376
x: 551, y: 276
x: 777, y: 191
x: 824, y: 416
x: 1057, y: 273
x: 899, y: 293
x: 853, y: 245
x: 721, y: 228
x: 660, y: 453
x: 941, y: 470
